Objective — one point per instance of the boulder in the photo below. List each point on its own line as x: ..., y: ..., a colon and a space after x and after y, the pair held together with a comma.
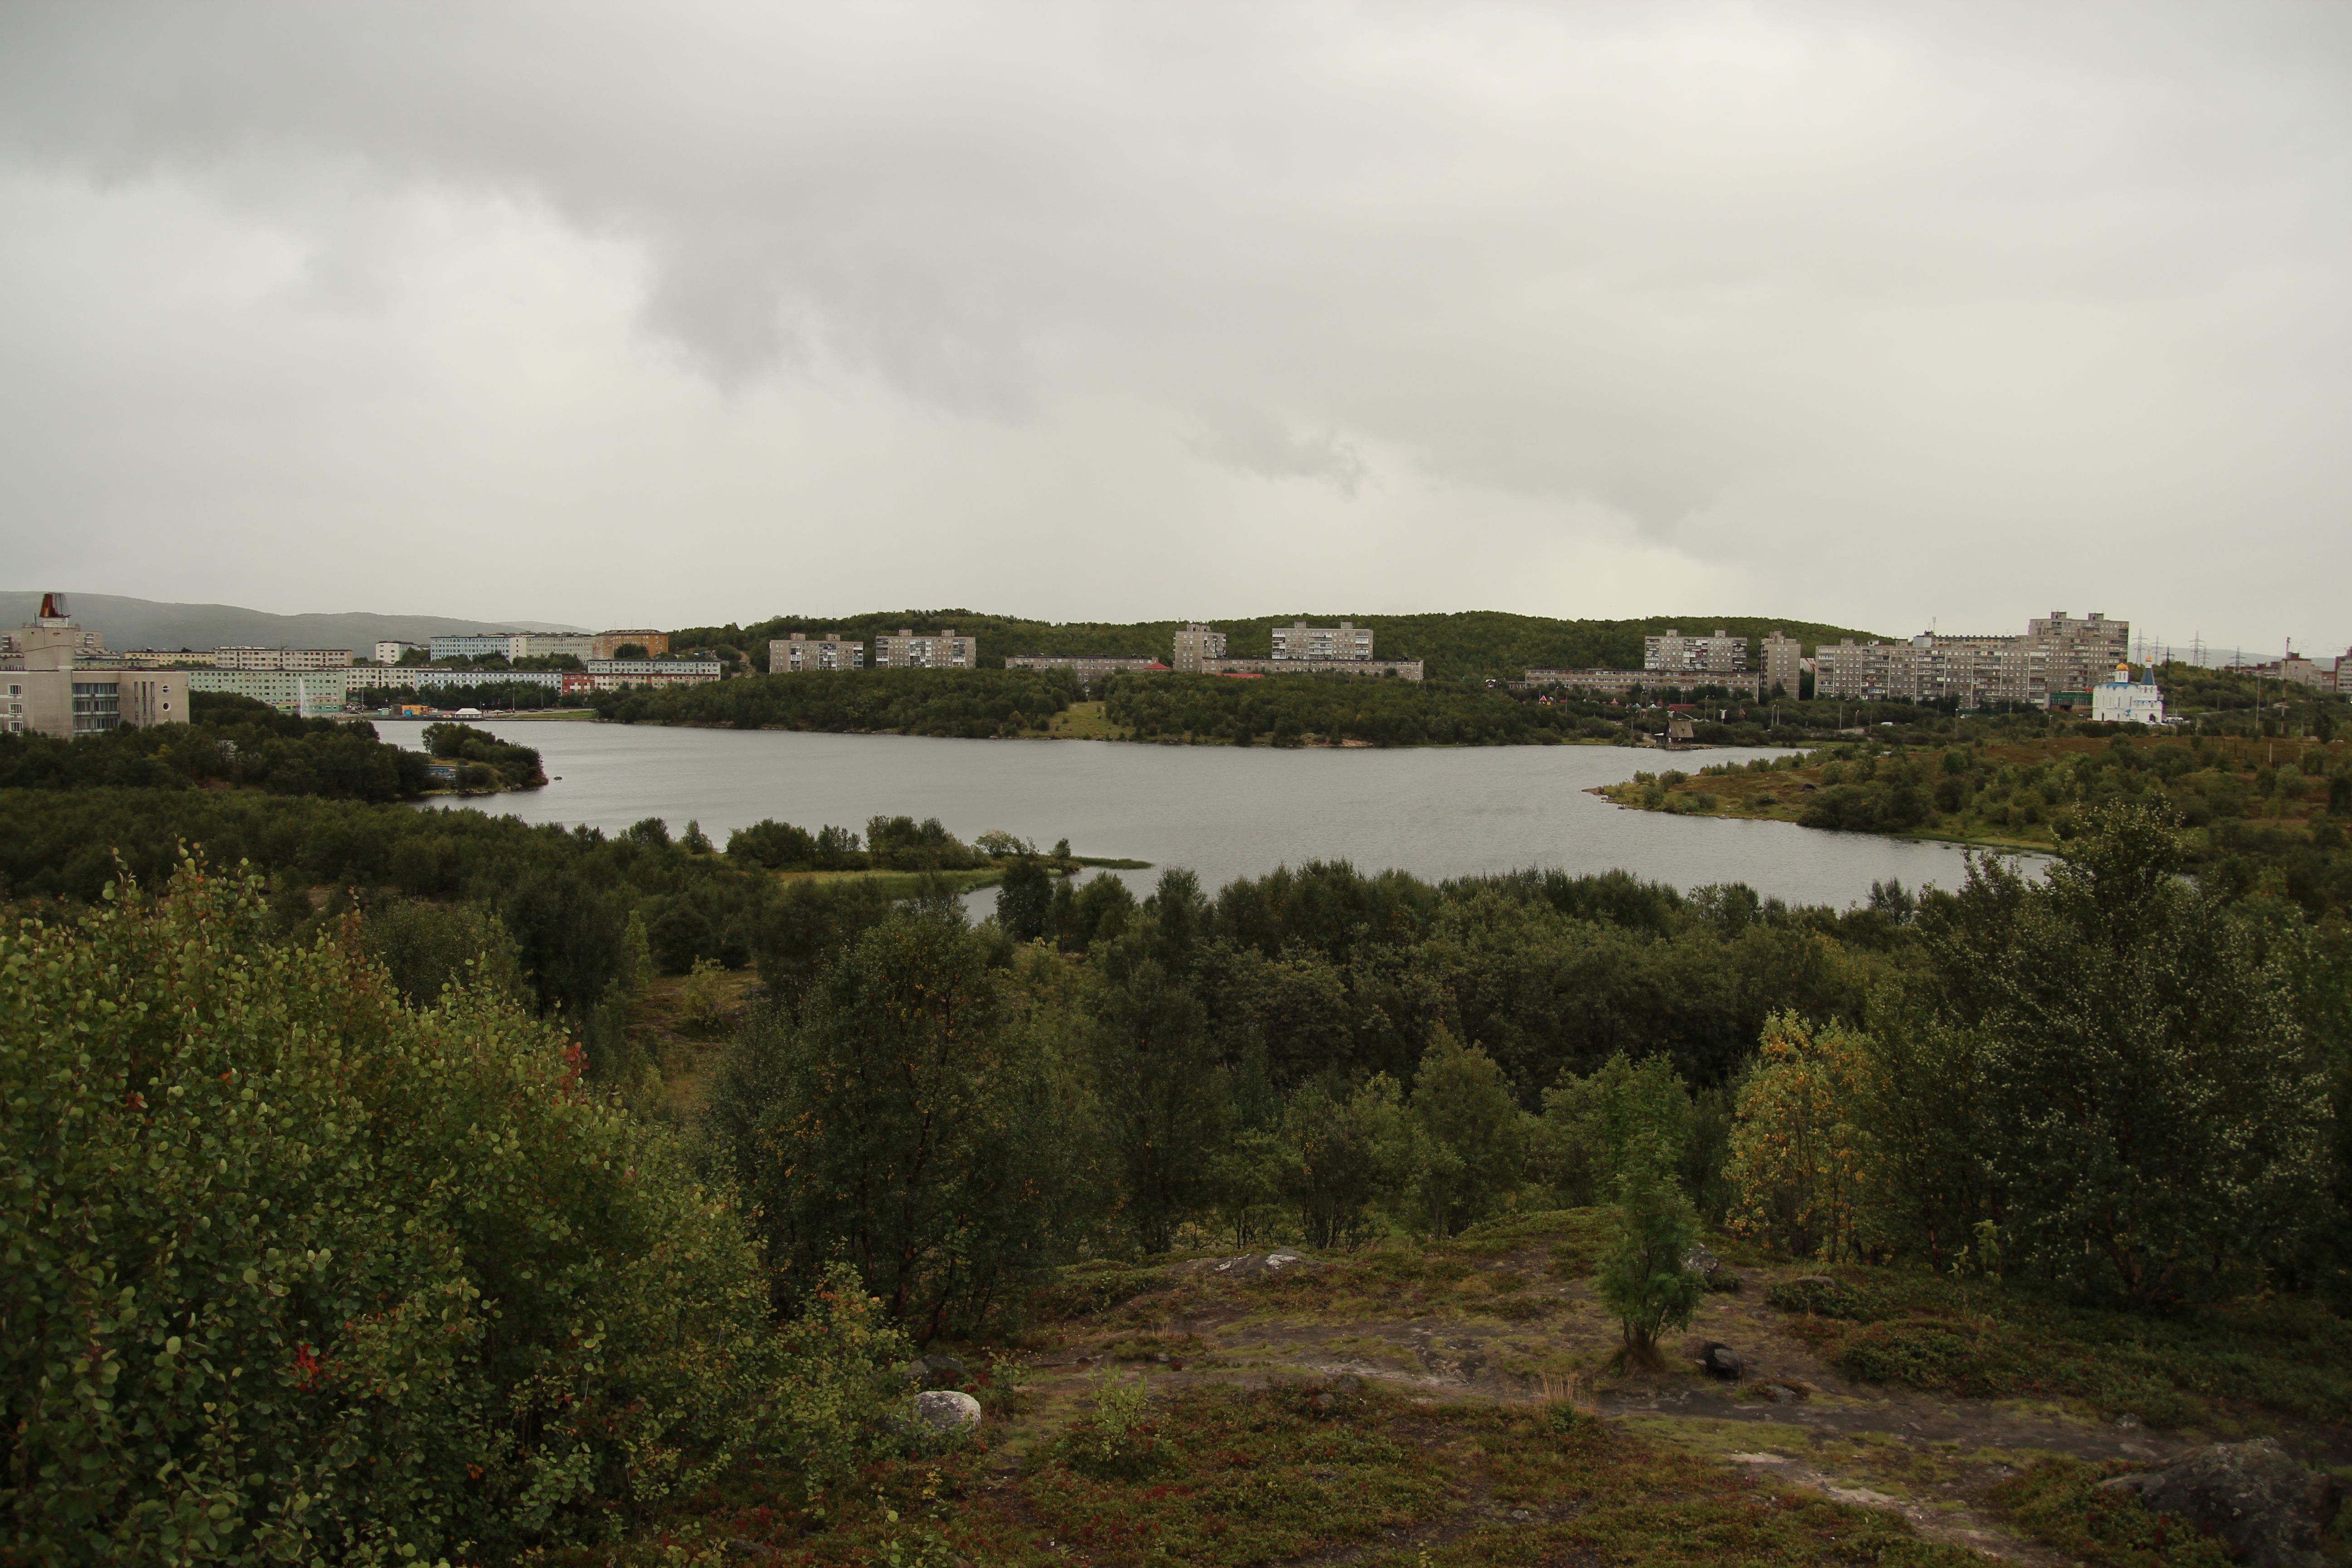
x: 1699, y: 1260
x: 1721, y: 1360
x: 946, y: 1410
x: 1250, y: 1264
x: 2255, y: 1495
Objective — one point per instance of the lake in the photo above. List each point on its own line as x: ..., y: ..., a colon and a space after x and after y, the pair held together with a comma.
x: 1223, y: 812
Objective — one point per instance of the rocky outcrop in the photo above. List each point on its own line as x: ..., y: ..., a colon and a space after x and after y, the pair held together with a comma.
x: 2255, y: 1495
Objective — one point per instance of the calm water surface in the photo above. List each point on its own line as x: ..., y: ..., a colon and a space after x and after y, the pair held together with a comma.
x: 1224, y: 813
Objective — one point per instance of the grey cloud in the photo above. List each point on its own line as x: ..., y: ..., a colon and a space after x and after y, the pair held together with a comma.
x: 1734, y: 274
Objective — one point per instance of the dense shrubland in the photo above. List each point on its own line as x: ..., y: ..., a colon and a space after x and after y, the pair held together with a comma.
x: 229, y: 742
x: 966, y: 703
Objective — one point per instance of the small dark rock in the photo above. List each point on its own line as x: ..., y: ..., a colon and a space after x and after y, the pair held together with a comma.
x: 1324, y: 1402
x: 2255, y: 1495
x: 938, y: 1371
x: 1347, y: 1383
x: 1721, y: 1360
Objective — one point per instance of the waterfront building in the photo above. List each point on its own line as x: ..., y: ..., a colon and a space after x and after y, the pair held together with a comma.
x: 1324, y: 645
x: 1196, y: 646
x: 282, y: 658
x: 1675, y: 654
x: 800, y: 653
x: 927, y: 651
x: 2124, y: 701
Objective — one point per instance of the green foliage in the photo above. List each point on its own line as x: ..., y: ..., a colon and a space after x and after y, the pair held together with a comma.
x: 242, y: 744
x: 296, y: 1271
x: 510, y: 766
x: 1471, y: 1137
x: 1285, y: 709
x: 2059, y: 1502
x: 901, y: 1118
x: 1595, y: 1129
x: 426, y: 947
x: 1642, y: 1279
x: 1024, y: 897
x: 971, y: 703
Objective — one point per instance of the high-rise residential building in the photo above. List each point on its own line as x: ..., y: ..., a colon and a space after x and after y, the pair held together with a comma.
x: 928, y: 650
x: 1674, y: 653
x: 1196, y: 645
x: 1345, y: 641
x: 801, y: 653
x: 54, y: 679
x: 2057, y: 653
x: 1784, y: 665
x: 280, y: 658
x: 608, y: 645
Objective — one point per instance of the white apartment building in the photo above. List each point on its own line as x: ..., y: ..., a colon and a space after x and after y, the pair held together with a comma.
x: 1674, y: 653
x: 390, y: 652
x: 695, y: 669
x: 800, y: 653
x: 304, y: 691
x: 940, y: 651
x: 1345, y: 641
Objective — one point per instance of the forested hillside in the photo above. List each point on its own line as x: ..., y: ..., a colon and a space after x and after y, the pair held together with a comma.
x: 1475, y: 645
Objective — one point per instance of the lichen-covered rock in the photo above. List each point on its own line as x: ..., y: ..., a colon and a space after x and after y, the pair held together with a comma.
x: 944, y: 1411
x: 2255, y: 1495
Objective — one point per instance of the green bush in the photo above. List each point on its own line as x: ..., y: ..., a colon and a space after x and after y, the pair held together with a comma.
x: 293, y: 1271
x: 1825, y: 1297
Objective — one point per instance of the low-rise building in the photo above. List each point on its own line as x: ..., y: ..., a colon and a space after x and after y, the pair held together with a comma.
x: 925, y: 650
x: 54, y: 679
x: 1623, y: 683
x: 2124, y: 701
x: 1402, y: 668
x: 1196, y: 646
x: 641, y: 668
x: 608, y: 645
x: 1322, y: 645
x: 801, y: 653
x: 280, y: 658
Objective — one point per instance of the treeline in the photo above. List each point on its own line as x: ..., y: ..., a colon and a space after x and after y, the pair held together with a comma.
x: 969, y: 704
x: 2260, y: 815
x: 2111, y: 1082
x: 483, y: 761
x: 229, y: 742
x: 489, y: 695
x: 1478, y: 645
x: 1287, y: 710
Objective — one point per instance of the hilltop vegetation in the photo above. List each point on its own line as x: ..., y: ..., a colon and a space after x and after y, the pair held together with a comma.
x: 1476, y: 645
x: 972, y: 704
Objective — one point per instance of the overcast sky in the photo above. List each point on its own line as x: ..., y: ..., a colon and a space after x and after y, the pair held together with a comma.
x: 1870, y: 314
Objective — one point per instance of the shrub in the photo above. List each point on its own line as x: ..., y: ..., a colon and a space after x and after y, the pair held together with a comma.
x: 295, y: 1271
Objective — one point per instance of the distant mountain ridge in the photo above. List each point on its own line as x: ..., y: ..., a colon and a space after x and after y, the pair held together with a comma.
x: 128, y: 623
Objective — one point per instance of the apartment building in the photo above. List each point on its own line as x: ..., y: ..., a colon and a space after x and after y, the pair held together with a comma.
x: 390, y: 652
x: 686, y: 668
x: 513, y: 645
x: 2057, y: 653
x: 1784, y: 666
x: 1621, y: 683
x: 282, y: 658
x: 608, y: 645
x: 54, y: 681
x: 1675, y: 654
x: 1346, y: 641
x: 800, y: 653
x: 304, y: 691
x: 928, y: 650
x: 1196, y: 646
